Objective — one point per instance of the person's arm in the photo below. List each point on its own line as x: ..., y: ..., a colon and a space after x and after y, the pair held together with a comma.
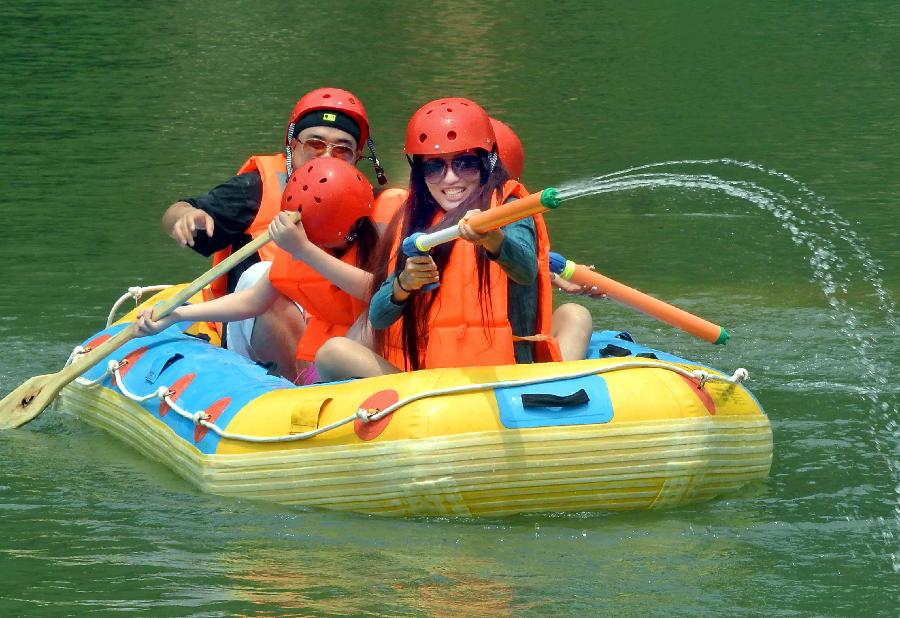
x: 384, y: 309
x: 513, y: 247
x: 223, y: 215
x: 387, y: 303
x: 181, y: 221
x: 229, y: 308
x: 292, y: 238
x: 518, y: 251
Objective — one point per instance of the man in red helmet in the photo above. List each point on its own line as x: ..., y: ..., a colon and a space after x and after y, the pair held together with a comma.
x: 326, y: 122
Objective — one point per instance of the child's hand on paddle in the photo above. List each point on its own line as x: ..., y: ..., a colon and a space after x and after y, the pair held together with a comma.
x: 145, y: 325
x: 289, y: 236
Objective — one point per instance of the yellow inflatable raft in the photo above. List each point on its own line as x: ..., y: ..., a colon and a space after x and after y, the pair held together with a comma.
x: 630, y: 428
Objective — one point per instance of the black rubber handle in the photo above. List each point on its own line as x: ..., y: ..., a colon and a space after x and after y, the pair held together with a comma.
x: 548, y: 400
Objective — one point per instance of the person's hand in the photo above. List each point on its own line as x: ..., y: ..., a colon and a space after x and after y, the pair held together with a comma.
x: 575, y: 289
x: 145, y: 325
x: 289, y: 236
x: 185, y: 229
x: 489, y: 240
x: 419, y: 271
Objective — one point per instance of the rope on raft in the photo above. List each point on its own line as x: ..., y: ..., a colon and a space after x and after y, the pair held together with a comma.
x: 201, y: 417
x: 135, y: 292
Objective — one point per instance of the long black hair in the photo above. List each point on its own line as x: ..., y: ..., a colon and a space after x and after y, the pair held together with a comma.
x: 416, y: 215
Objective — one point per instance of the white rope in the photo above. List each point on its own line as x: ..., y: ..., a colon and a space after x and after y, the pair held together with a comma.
x: 135, y: 292
x: 201, y: 418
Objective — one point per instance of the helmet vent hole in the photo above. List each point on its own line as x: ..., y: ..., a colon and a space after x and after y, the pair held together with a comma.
x: 451, y: 135
x: 450, y: 109
x: 463, y: 103
x: 309, y: 169
x: 429, y: 111
x: 305, y: 187
x: 323, y: 180
x: 422, y: 138
x: 290, y: 197
x: 326, y: 95
x: 317, y: 199
x: 352, y: 101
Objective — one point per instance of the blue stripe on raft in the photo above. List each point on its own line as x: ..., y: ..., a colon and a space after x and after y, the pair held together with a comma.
x: 218, y: 373
x: 598, y: 409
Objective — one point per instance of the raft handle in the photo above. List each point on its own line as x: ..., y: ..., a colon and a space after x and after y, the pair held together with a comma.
x: 548, y: 400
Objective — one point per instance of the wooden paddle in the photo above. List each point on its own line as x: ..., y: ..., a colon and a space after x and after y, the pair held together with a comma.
x: 31, y: 398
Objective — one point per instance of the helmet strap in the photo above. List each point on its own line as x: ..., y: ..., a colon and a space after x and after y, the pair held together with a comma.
x: 288, y: 154
x: 379, y: 171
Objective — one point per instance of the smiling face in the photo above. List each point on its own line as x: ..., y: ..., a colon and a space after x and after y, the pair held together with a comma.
x: 452, y: 178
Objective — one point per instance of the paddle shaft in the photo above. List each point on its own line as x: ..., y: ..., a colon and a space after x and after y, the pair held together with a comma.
x: 169, y: 305
x: 655, y: 308
x: 31, y: 398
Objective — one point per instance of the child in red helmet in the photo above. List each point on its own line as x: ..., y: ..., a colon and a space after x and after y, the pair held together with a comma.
x: 317, y: 264
x: 326, y: 122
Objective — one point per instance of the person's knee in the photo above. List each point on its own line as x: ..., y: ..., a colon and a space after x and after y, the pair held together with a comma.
x: 333, y: 355
x: 574, y: 316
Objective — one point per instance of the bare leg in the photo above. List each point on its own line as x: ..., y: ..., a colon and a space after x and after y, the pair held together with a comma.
x: 341, y: 358
x: 361, y: 331
x: 572, y: 327
x: 276, y: 334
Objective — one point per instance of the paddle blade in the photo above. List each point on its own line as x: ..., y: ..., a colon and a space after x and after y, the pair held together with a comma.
x: 27, y: 402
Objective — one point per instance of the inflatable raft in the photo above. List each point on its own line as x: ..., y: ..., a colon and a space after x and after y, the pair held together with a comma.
x: 629, y: 428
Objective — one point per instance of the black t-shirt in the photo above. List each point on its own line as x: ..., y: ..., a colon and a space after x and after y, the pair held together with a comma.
x: 233, y: 206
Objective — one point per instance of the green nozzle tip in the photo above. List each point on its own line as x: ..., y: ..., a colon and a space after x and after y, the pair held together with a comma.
x: 550, y: 197
x: 723, y: 337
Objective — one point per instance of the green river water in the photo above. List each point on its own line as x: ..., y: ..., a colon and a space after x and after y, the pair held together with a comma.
x: 111, y: 111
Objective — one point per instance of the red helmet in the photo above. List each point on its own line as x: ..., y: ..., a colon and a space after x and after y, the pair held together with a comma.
x: 509, y: 148
x: 449, y: 125
x: 331, y: 98
x: 332, y: 194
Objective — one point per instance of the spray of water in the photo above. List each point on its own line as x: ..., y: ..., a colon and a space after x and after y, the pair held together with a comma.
x: 825, y: 235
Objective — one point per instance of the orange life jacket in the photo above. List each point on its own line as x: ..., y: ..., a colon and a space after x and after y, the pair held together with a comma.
x: 273, y: 171
x: 330, y: 311
x: 458, y: 336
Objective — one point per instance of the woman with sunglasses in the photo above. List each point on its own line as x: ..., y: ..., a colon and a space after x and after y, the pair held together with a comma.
x: 493, y: 305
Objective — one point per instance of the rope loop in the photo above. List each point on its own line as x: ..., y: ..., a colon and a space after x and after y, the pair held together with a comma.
x: 740, y: 374
x: 164, y: 393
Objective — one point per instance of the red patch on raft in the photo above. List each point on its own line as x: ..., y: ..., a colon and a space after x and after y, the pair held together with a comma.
x: 702, y: 394
x: 96, y: 341
x: 178, y: 388
x: 213, y: 412
x: 128, y: 362
x: 379, y: 401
